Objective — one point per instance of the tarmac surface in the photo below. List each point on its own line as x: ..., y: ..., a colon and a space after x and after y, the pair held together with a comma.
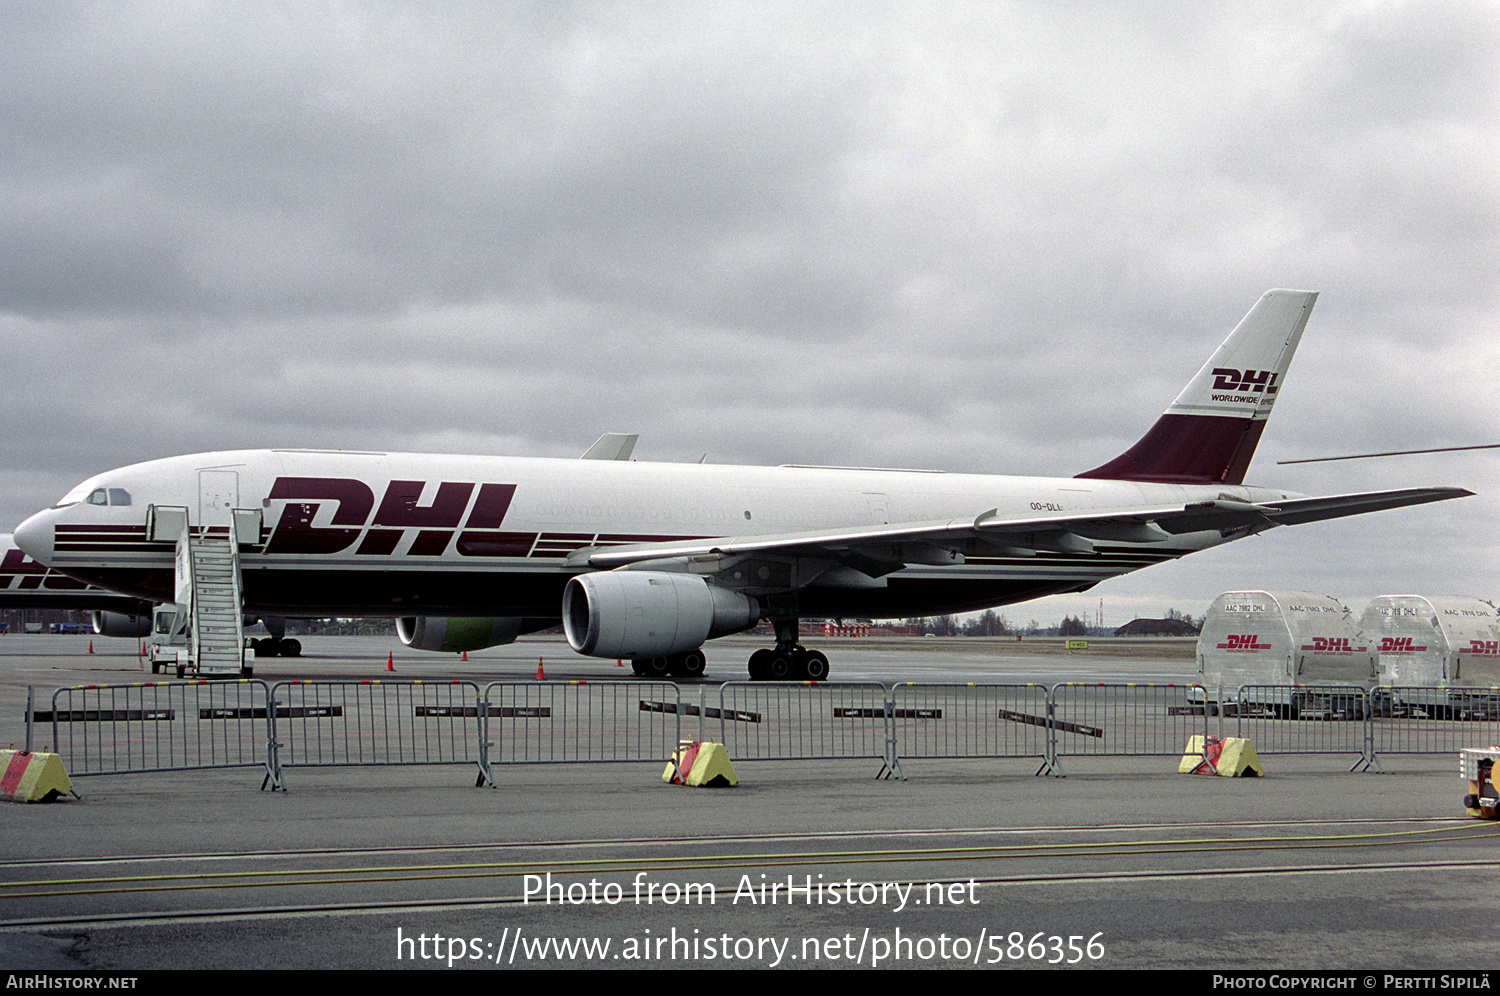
x: 972, y: 863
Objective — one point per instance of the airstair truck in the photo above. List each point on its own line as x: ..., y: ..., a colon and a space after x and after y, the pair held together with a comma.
x: 1258, y: 649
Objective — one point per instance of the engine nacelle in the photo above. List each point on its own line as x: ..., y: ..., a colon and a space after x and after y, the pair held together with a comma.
x: 121, y: 624
x: 631, y: 614
x: 452, y: 635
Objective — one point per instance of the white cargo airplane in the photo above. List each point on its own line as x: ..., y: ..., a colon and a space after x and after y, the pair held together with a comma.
x: 647, y: 561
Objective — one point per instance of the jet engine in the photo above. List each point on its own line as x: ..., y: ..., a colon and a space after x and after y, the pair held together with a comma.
x: 452, y: 635
x: 121, y: 624
x: 636, y: 614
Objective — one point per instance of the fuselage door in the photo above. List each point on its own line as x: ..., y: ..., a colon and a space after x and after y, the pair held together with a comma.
x: 218, y: 497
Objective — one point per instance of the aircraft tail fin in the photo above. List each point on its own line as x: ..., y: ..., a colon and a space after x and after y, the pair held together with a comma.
x: 1209, y: 434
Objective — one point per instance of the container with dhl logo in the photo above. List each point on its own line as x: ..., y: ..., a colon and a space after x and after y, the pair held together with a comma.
x: 1290, y: 653
x: 1439, y: 656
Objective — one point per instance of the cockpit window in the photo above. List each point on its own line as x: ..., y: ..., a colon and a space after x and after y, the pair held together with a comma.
x: 108, y: 496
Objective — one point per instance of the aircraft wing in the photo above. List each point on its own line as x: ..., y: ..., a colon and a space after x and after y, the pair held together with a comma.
x: 905, y: 543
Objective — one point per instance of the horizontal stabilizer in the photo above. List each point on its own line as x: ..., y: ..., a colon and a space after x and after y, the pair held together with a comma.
x: 1292, y: 513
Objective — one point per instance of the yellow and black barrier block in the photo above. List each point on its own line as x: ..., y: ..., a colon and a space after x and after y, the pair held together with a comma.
x: 1232, y: 757
x: 30, y: 776
x: 701, y: 765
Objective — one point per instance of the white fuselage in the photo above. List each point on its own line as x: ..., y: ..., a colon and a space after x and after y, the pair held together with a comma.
x: 400, y: 534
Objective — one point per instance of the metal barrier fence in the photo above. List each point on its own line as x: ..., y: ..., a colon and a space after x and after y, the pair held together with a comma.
x: 791, y: 721
x: 1130, y: 720
x: 160, y: 726
x: 1434, y: 720
x: 156, y: 726
x: 338, y: 723
x: 1305, y: 719
x: 534, y: 722
x: 970, y: 720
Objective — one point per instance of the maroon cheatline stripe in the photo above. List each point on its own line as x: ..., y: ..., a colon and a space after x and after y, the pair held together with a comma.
x: 80, y: 528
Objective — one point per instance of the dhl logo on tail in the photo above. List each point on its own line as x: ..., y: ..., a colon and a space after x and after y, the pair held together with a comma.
x: 1256, y: 381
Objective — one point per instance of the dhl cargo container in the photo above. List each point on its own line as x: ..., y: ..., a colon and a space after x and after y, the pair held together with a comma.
x: 1256, y: 647
x: 1439, y: 653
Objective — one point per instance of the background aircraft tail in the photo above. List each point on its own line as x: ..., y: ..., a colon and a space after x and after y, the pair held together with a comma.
x: 1209, y: 434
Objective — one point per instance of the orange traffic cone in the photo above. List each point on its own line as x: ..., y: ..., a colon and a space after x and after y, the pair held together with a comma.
x: 91, y: 646
x: 465, y: 656
x: 390, y: 661
x: 540, y: 674
x: 619, y: 663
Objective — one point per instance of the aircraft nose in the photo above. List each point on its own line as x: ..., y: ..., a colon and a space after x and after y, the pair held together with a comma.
x: 34, y: 537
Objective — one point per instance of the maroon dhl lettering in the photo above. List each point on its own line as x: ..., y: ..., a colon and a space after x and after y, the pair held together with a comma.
x: 1331, y: 645
x: 19, y: 572
x: 1398, y: 645
x: 1238, y: 641
x: 399, y: 512
x: 1257, y: 381
x: 1484, y: 648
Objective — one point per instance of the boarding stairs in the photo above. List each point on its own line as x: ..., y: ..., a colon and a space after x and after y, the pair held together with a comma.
x: 218, y: 635
x: 207, y: 586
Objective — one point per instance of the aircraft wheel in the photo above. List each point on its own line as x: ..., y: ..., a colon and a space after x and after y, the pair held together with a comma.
x: 815, y: 666
x: 760, y: 665
x: 656, y: 667
x: 688, y: 665
x: 291, y: 648
x: 639, y: 667
x: 779, y: 666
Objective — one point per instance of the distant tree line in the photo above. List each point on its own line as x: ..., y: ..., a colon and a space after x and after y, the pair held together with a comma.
x: 1072, y: 626
x: 1195, y: 622
x: 991, y: 623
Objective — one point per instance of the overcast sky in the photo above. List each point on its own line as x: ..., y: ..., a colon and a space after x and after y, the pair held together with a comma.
x: 992, y: 237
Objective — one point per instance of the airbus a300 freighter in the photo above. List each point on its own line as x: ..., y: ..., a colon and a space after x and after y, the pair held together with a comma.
x: 648, y: 561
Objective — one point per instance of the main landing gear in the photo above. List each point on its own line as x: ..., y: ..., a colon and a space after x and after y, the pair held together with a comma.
x: 796, y: 663
x: 788, y: 660
x: 688, y: 665
x: 272, y: 647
